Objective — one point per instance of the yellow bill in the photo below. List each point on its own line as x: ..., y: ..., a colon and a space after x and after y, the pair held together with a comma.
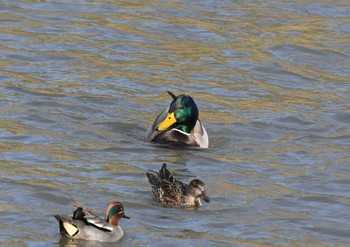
x: 167, y: 122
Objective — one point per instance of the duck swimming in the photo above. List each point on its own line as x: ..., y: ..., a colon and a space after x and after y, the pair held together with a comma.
x: 169, y: 191
x: 86, y: 225
x: 179, y: 124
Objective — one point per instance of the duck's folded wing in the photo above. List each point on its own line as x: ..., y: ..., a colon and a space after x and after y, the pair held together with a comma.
x: 82, y: 213
x: 94, y: 220
x: 174, y: 136
x: 200, y: 135
x: 100, y: 224
x: 89, y: 218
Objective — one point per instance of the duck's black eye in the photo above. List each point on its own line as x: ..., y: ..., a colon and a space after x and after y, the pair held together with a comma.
x: 182, y: 107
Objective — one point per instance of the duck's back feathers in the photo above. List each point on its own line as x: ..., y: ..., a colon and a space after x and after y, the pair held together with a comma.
x: 162, y: 183
x: 167, y: 190
x: 197, y: 138
x: 173, y: 192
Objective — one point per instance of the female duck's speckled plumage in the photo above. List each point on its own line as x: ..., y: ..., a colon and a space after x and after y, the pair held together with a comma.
x: 86, y: 225
x: 170, y: 191
x: 179, y: 124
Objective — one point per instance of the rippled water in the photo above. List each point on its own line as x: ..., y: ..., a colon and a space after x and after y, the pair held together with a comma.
x: 82, y: 80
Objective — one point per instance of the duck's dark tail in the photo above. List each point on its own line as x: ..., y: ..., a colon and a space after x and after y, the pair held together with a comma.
x: 172, y: 95
x: 67, y: 228
x: 156, y: 178
x: 165, y: 174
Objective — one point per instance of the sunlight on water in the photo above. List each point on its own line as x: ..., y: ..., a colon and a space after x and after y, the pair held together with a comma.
x: 81, y: 81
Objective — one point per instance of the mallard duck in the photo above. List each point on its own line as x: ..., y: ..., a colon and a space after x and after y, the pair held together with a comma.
x: 179, y: 124
x: 86, y: 225
x: 169, y: 191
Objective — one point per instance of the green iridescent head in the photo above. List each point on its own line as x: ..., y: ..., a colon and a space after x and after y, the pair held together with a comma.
x: 114, y: 212
x: 183, y: 114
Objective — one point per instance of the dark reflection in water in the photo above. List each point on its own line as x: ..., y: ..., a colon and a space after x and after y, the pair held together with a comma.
x: 82, y: 81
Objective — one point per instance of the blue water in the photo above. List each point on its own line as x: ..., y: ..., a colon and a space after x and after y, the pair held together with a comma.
x: 81, y: 81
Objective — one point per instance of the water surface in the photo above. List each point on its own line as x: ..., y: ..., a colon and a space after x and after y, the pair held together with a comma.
x: 82, y: 80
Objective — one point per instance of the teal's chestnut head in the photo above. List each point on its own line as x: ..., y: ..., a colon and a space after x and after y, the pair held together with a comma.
x: 114, y: 212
